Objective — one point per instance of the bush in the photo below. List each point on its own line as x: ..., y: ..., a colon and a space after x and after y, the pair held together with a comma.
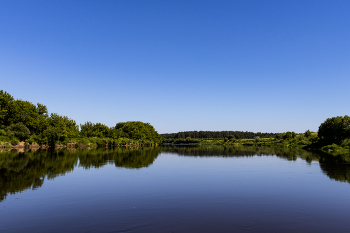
x: 4, y: 139
x: 14, y: 141
x: 30, y: 140
x: 333, y: 147
x: 19, y: 130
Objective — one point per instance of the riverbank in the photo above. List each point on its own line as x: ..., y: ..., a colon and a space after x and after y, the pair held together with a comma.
x: 309, y: 143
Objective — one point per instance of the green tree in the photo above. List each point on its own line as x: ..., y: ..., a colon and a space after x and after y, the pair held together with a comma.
x: 35, y: 118
x: 289, y: 135
x: 53, y: 134
x: 334, y: 130
x: 307, y: 133
x: 5, y: 99
x: 94, y: 130
x: 138, y: 130
x: 66, y: 127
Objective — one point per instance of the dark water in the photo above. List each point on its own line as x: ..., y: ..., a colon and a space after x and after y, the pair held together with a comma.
x: 174, y: 189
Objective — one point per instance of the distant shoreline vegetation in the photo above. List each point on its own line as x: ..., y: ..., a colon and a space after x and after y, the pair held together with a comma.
x: 22, y: 121
x: 32, y: 124
x: 333, y: 135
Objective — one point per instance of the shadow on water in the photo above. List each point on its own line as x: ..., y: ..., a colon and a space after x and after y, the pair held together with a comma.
x: 27, y: 170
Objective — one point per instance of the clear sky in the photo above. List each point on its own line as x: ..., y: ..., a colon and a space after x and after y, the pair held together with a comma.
x: 261, y: 66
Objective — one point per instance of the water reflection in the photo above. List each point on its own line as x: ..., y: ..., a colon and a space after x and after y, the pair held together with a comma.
x: 20, y: 171
x: 227, y: 151
x: 336, y: 166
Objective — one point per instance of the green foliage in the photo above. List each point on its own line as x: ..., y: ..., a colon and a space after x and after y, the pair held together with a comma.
x: 307, y: 133
x: 52, y: 134
x: 137, y: 130
x: 14, y: 141
x: 27, y: 113
x: 217, y: 135
x: 66, y: 127
x: 4, y: 138
x: 31, y: 139
x: 3, y: 132
x: 19, y: 130
x: 41, y: 139
x: 334, y: 130
x: 345, y: 142
x: 5, y: 99
x: 289, y: 135
x: 333, y: 147
x: 32, y: 123
x: 94, y: 130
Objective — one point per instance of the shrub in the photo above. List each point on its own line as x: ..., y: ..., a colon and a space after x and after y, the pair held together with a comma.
x: 30, y: 140
x: 333, y: 147
x: 14, y: 141
x: 19, y: 130
x: 4, y: 139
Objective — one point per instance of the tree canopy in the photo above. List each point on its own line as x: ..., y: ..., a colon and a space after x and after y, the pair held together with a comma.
x: 217, y: 135
x: 21, y: 119
x: 137, y: 130
x: 334, y: 130
x: 94, y: 130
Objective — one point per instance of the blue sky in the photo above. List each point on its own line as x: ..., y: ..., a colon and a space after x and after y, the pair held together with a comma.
x: 261, y: 66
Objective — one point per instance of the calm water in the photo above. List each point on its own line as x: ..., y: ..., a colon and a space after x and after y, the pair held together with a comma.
x: 174, y: 189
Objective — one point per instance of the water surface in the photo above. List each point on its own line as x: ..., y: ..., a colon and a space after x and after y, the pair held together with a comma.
x: 174, y: 189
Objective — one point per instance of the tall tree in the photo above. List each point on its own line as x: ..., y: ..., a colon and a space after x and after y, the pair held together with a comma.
x: 66, y: 127
x: 334, y: 130
x: 5, y: 99
x: 138, y: 130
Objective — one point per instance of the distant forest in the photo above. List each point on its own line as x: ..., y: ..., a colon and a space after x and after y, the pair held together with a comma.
x: 217, y: 135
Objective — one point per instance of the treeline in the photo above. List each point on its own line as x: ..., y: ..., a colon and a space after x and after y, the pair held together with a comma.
x: 217, y: 135
x: 23, y: 121
x: 333, y: 135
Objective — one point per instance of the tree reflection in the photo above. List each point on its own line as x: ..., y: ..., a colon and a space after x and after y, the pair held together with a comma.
x: 120, y: 157
x: 230, y: 151
x: 28, y: 170
x: 335, y: 165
